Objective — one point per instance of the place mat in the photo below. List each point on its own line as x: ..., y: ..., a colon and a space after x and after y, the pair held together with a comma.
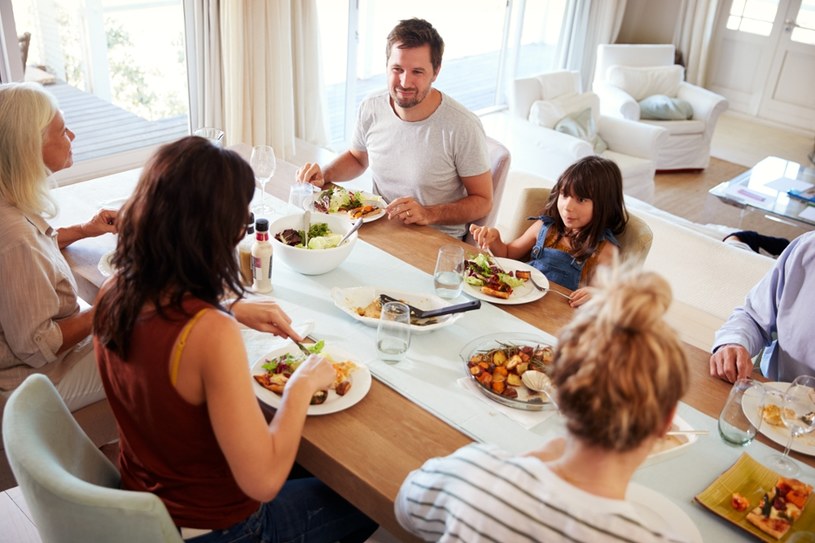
x: 526, y: 419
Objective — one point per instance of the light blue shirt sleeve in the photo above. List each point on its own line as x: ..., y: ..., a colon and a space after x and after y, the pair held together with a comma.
x: 778, y: 313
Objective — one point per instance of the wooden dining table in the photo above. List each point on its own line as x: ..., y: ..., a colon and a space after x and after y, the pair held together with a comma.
x: 365, y: 452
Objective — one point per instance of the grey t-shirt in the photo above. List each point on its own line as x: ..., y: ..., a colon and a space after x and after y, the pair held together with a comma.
x: 423, y: 159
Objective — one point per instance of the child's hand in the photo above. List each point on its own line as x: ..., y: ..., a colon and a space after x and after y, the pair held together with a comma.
x: 581, y: 296
x: 484, y: 236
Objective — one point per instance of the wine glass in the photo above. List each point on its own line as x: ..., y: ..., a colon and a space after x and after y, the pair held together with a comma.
x: 263, y: 164
x: 798, y: 414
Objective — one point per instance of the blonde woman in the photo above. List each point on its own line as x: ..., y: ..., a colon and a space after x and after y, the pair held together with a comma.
x: 618, y: 392
x: 42, y: 328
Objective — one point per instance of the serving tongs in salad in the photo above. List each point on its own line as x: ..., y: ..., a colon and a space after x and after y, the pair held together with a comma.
x: 417, y: 313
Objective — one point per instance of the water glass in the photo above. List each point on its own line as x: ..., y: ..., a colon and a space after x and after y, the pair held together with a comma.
x: 449, y: 275
x: 735, y: 427
x: 214, y: 135
x: 393, y: 334
x: 301, y: 195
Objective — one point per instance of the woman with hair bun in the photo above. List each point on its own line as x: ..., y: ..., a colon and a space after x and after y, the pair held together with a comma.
x: 619, y: 372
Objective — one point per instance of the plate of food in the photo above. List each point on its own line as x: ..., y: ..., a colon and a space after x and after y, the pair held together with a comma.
x: 661, y: 513
x: 364, y: 305
x: 483, y: 279
x: 497, y: 363
x: 105, y: 266
x: 356, y: 203
x: 759, y: 501
x: 767, y: 418
x: 669, y: 446
x: 271, y: 373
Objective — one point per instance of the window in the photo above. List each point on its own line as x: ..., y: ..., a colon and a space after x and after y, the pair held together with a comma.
x: 752, y: 16
x: 117, y: 67
x: 487, y: 44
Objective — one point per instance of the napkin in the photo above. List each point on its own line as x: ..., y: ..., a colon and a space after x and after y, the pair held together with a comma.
x: 526, y: 419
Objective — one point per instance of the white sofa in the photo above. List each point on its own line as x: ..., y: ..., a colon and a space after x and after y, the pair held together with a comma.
x: 538, y: 104
x: 708, y: 278
x: 625, y: 74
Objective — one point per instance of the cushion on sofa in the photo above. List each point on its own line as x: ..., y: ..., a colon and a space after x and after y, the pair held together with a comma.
x: 581, y: 125
x: 547, y: 113
x: 641, y: 82
x: 659, y: 107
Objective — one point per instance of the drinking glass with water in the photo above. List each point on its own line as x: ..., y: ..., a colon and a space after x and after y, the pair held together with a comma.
x: 393, y: 334
x: 449, y: 275
x: 735, y: 427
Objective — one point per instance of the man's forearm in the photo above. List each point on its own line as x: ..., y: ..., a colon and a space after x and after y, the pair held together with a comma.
x: 468, y: 209
x: 343, y: 168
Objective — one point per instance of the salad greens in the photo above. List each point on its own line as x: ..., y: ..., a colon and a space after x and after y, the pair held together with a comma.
x: 480, y: 271
x: 290, y: 361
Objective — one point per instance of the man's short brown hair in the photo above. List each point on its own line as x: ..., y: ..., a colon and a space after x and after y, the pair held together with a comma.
x: 412, y: 33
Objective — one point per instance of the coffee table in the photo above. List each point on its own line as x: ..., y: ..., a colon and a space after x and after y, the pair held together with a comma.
x: 764, y: 187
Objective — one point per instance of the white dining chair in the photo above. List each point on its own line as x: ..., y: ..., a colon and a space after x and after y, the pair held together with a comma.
x: 71, y: 488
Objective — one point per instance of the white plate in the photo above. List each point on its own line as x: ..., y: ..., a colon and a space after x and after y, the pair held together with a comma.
x: 682, y: 443
x: 780, y: 434
x: 661, y: 513
x: 523, y: 294
x: 367, y: 199
x: 105, y: 267
x: 360, y: 382
x: 349, y: 299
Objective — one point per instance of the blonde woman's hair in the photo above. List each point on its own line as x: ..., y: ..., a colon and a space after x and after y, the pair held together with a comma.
x: 26, y: 110
x: 619, y: 368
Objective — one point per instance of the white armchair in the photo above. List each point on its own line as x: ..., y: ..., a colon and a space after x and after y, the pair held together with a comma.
x: 624, y: 75
x: 539, y: 106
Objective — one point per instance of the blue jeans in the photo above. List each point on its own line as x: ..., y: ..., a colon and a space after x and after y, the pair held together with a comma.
x: 303, y: 510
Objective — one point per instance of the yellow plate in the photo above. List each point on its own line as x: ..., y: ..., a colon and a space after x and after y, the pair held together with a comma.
x: 751, y: 480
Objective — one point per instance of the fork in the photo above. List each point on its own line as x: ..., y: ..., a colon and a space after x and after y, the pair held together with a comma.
x: 547, y: 289
x: 495, y: 260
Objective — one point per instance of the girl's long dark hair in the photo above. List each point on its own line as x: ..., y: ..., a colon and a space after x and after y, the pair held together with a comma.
x: 177, y: 236
x: 599, y: 180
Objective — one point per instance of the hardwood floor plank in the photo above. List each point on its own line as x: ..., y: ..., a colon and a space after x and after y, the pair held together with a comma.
x: 15, y: 525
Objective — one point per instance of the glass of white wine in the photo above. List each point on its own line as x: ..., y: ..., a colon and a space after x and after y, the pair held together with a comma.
x: 798, y: 414
x: 263, y: 164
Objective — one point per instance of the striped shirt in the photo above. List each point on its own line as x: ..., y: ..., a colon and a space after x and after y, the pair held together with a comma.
x: 38, y: 290
x: 480, y: 493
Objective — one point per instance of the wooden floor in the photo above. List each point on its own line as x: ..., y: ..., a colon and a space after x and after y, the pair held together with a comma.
x: 686, y: 194
x: 104, y: 129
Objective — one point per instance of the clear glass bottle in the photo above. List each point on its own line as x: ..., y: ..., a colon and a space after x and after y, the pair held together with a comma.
x: 262, y: 257
x: 245, y: 252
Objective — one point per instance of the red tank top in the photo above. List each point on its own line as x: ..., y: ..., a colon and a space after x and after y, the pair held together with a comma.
x: 167, y: 445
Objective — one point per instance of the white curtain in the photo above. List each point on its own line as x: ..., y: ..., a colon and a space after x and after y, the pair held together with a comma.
x: 587, y: 24
x: 271, y: 75
x: 694, y: 31
x: 205, y: 66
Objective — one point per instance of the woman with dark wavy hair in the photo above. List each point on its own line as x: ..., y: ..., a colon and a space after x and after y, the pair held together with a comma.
x: 175, y: 369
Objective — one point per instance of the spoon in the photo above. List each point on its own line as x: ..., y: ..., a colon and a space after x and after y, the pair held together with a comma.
x: 539, y: 382
x: 353, y: 229
x: 306, y: 225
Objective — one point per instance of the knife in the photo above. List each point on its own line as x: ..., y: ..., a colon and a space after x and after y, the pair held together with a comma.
x: 417, y: 313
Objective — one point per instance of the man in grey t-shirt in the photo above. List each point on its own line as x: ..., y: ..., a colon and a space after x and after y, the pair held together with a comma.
x: 427, y: 152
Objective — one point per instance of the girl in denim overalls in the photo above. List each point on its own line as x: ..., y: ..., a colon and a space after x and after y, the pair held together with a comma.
x: 576, y: 230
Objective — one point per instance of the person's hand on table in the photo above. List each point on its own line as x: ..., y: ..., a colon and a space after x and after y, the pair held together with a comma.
x: 731, y: 362
x: 264, y: 316
x: 311, y: 173
x: 581, y: 296
x: 104, y: 222
x: 408, y: 211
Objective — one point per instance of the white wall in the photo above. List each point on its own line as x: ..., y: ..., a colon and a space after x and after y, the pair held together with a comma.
x: 649, y: 21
